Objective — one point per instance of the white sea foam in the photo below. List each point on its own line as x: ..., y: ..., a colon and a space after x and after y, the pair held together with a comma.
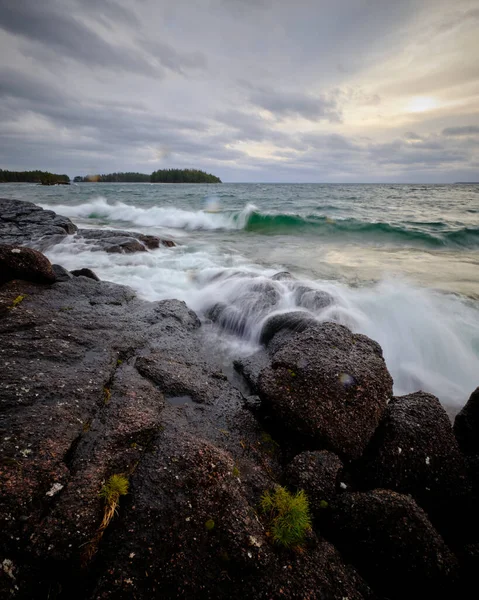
x: 430, y: 340
x: 155, y: 216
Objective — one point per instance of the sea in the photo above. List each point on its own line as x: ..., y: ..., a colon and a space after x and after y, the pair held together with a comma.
x: 401, y: 263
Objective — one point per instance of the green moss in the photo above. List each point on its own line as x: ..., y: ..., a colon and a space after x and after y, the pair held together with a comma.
x: 289, y: 516
x: 236, y: 472
x: 17, y: 301
x: 210, y: 525
x: 119, y: 362
x: 115, y: 487
x: 323, y: 504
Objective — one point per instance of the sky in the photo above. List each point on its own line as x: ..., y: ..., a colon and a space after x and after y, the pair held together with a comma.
x: 250, y: 90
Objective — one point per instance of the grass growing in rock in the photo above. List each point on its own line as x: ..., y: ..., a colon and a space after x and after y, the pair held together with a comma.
x: 112, y: 490
x: 17, y: 301
x: 289, y: 516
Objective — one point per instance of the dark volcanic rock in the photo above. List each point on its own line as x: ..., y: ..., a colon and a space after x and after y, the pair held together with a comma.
x: 312, y: 299
x: 328, y: 387
x: 118, y: 241
x: 75, y: 408
x: 393, y: 545
x: 250, y: 368
x: 466, y: 426
x: 191, y: 524
x: 17, y: 262
x: 85, y: 273
x: 414, y: 451
x: 24, y: 223
x: 246, y: 307
x: 294, y: 321
x: 282, y: 276
x: 61, y: 274
x: 318, y: 474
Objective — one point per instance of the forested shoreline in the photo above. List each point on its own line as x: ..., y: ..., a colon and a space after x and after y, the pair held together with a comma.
x: 43, y: 177
x: 160, y: 176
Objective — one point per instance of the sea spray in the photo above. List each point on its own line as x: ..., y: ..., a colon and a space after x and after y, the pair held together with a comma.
x: 430, y: 340
x: 251, y: 219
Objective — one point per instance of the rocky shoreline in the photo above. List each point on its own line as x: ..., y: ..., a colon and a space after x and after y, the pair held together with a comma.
x: 97, y: 382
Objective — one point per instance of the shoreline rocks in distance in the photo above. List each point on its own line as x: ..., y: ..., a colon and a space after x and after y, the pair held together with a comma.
x: 25, y: 223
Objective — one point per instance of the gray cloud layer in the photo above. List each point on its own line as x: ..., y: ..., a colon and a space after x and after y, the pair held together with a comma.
x: 251, y: 90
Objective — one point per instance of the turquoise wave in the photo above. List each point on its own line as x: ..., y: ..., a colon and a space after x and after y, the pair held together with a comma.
x: 427, y: 234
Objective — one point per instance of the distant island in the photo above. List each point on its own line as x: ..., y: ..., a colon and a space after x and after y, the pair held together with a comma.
x: 114, y: 178
x: 161, y: 176
x: 43, y: 177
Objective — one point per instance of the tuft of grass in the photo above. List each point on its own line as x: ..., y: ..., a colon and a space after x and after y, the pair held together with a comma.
x: 289, y: 516
x: 115, y: 487
x: 106, y: 395
x: 236, y: 471
x: 112, y: 490
x: 17, y: 301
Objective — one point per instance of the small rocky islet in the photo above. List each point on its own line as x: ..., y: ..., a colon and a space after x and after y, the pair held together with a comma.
x: 97, y: 383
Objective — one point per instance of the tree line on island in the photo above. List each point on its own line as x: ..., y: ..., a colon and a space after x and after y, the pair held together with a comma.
x: 161, y: 176
x: 43, y: 177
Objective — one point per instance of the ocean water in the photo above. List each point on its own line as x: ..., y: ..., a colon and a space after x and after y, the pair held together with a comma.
x: 401, y: 262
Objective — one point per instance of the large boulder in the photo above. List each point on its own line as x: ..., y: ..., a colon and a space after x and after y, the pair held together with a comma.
x: 466, y: 426
x: 85, y: 272
x: 61, y: 274
x: 327, y: 387
x: 121, y: 242
x: 393, y: 545
x: 190, y: 526
x: 318, y: 474
x: 292, y: 321
x: 311, y: 299
x: 25, y: 223
x: 414, y: 452
x: 17, y: 262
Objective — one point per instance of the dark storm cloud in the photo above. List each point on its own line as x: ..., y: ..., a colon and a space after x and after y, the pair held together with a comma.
x: 123, y: 120
x: 249, y: 89
x: 461, y: 131
x: 59, y: 30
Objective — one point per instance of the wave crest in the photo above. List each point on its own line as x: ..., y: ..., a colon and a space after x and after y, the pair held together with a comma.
x: 251, y: 219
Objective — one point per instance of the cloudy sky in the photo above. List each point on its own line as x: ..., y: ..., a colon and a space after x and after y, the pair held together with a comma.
x: 251, y: 90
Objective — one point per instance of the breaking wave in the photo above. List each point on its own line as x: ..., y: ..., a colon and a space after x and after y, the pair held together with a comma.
x: 250, y: 219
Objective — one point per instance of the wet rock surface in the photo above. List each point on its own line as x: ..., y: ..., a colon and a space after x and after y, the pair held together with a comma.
x: 466, y: 426
x: 414, y: 452
x: 328, y: 387
x: 393, y: 545
x: 119, y: 241
x: 25, y: 223
x: 318, y: 474
x: 85, y: 273
x: 96, y: 382
x: 17, y: 262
